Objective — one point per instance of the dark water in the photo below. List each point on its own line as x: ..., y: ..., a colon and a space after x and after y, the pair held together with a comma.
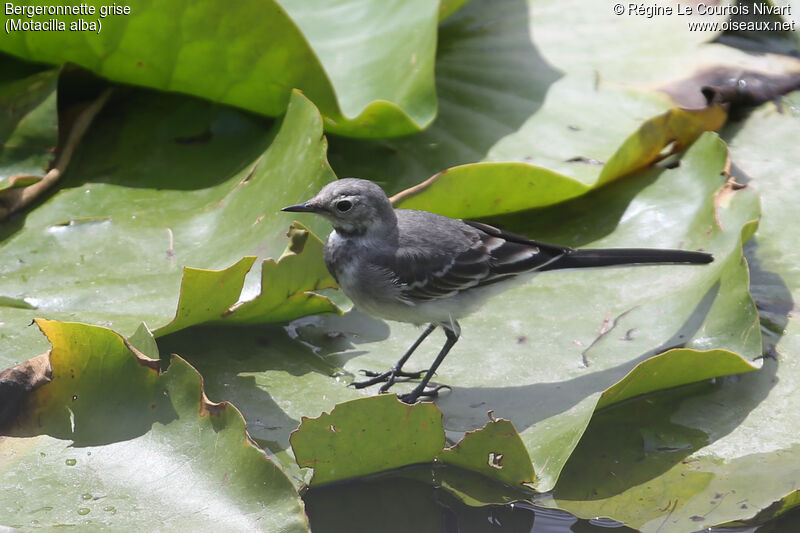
x: 399, y: 503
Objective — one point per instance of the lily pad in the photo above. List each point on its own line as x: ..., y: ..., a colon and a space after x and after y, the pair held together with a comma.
x: 538, y: 186
x: 353, y: 70
x: 368, y: 435
x: 68, y: 461
x: 514, y: 84
x: 495, y: 451
x: 136, y: 207
x: 379, y: 56
x: 734, y: 451
x: 381, y: 433
x: 287, y: 287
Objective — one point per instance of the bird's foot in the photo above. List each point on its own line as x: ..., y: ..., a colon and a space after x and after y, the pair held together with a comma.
x: 397, y: 373
x: 388, y: 378
x: 426, y: 392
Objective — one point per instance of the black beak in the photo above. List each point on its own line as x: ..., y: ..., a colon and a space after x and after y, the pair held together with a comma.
x: 300, y: 208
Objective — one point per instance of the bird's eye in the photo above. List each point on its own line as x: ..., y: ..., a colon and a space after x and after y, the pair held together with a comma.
x: 343, y: 206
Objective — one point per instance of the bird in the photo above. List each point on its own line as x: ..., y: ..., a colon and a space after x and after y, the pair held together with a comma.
x: 419, y: 267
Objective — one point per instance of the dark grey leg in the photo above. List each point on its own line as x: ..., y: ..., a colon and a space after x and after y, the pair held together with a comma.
x: 419, y: 390
x: 390, y: 376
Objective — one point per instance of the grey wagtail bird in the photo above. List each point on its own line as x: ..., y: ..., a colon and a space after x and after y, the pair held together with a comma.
x: 419, y: 267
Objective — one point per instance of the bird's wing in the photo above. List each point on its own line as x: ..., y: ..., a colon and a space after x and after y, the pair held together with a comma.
x: 491, y: 255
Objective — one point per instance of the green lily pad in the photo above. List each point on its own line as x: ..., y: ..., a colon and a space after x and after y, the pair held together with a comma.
x: 514, y: 85
x: 354, y: 70
x: 378, y: 434
x: 209, y: 296
x: 379, y: 56
x: 659, y: 372
x: 68, y: 461
x: 136, y: 207
x: 495, y: 451
x: 368, y: 435
x: 536, y: 186
x: 741, y: 465
x: 288, y: 285
x: 540, y: 187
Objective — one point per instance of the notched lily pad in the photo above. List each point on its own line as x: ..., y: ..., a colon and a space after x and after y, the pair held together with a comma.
x: 379, y: 433
x: 495, y: 451
x: 207, y: 294
x: 135, y: 207
x: 366, y: 436
x: 287, y: 285
x: 120, y: 434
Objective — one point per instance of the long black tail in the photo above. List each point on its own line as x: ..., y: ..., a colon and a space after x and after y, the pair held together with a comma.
x: 625, y: 256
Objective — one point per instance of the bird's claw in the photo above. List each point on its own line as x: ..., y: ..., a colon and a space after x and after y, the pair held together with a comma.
x: 401, y: 373
x: 389, y: 378
x: 414, y: 396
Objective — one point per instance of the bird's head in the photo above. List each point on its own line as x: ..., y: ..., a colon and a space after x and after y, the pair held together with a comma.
x: 353, y: 206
